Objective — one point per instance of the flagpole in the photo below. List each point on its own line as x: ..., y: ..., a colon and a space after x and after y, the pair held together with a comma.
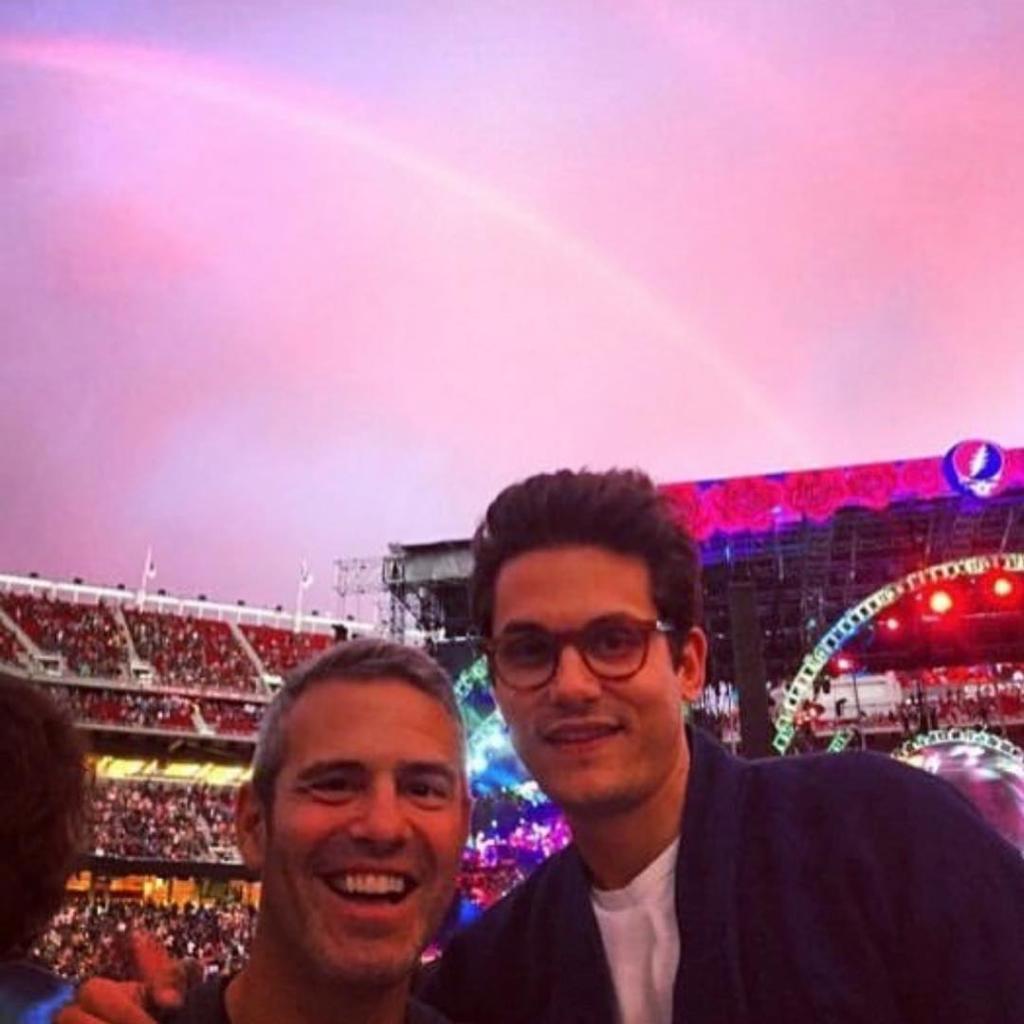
x: 305, y: 581
x: 148, y: 573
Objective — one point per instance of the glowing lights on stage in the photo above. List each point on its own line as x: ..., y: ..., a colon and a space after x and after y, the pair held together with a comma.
x: 941, y: 602
x: 892, y: 624
x: 931, y: 603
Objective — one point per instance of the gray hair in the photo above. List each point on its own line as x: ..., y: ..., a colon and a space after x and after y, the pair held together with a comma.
x: 362, y: 660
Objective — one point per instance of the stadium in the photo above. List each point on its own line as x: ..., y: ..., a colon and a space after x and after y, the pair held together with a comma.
x: 876, y: 607
x: 407, y: 335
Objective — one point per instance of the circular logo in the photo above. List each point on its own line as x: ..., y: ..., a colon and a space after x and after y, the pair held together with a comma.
x: 975, y: 468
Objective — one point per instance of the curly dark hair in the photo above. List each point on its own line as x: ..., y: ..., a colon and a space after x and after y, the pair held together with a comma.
x: 43, y: 793
x: 620, y: 510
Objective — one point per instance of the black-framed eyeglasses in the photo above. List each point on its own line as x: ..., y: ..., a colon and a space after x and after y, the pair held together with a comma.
x: 613, y: 647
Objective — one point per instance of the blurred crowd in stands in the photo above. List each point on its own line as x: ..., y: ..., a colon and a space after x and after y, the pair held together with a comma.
x: 89, y: 936
x: 231, y: 718
x: 87, y: 636
x: 127, y: 709
x: 184, y: 652
x: 281, y: 650
x: 198, y: 654
x: 8, y: 645
x: 164, y: 820
x: 169, y: 712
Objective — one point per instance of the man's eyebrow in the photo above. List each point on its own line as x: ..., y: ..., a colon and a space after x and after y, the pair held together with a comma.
x: 529, y: 626
x: 320, y: 768
x: 441, y: 768
x: 523, y: 626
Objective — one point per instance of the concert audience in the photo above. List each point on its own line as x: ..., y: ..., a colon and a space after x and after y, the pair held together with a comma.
x: 232, y: 718
x: 88, y: 937
x: 127, y: 709
x: 192, y: 653
x: 165, y: 821
x: 8, y: 645
x: 86, y: 635
x: 281, y: 650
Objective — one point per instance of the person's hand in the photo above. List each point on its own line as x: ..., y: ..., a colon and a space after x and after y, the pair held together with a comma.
x: 160, y: 989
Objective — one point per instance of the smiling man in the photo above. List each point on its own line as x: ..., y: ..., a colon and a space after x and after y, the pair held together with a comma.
x: 355, y: 820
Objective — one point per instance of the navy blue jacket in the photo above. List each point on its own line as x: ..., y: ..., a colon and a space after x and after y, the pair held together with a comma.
x: 826, y: 888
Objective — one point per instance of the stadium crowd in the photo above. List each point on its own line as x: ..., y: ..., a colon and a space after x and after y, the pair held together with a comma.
x: 89, y: 936
x: 8, y: 645
x: 185, y: 652
x: 281, y: 650
x: 231, y: 718
x: 168, y: 712
x: 192, y: 653
x: 164, y: 820
x: 126, y: 709
x: 86, y: 636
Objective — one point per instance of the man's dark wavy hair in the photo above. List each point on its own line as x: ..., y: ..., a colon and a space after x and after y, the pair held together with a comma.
x: 620, y: 510
x: 43, y: 816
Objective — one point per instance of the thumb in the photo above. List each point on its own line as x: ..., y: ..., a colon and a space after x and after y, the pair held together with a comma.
x: 163, y: 978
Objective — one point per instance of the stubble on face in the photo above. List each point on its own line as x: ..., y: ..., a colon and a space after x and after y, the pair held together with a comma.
x: 347, y: 741
x: 645, y: 750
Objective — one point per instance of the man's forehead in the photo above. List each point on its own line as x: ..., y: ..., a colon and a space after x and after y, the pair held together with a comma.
x: 567, y: 587
x: 377, y: 723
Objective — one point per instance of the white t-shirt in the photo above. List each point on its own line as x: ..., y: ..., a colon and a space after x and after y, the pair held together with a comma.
x: 641, y: 940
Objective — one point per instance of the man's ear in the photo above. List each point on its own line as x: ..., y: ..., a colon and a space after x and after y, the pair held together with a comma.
x: 692, y: 661
x: 251, y: 826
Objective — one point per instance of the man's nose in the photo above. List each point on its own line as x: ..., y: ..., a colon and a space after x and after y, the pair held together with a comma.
x: 573, y: 683
x: 380, y: 818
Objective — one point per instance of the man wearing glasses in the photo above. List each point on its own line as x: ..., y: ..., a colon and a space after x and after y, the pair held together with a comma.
x: 702, y: 889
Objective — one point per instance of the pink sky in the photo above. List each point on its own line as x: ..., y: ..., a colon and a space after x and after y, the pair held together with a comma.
x: 276, y: 283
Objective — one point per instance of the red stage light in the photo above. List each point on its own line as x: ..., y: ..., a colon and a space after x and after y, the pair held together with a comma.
x: 1002, y: 586
x: 891, y: 623
x: 844, y: 664
x: 940, y: 602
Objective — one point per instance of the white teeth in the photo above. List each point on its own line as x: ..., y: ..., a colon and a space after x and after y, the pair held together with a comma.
x: 366, y: 884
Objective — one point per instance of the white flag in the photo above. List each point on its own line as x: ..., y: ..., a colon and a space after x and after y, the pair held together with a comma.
x: 305, y: 576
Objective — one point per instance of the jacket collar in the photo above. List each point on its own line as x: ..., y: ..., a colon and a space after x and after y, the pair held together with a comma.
x: 707, y: 983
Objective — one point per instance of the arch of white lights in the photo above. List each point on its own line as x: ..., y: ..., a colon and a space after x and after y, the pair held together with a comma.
x: 854, y: 619
x: 973, y: 737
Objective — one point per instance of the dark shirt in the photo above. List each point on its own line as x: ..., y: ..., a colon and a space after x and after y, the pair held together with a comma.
x: 834, y: 889
x: 30, y: 994
x: 205, y: 1005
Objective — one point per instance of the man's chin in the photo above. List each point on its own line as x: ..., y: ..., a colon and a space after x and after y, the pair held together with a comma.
x: 593, y: 799
x: 370, y: 968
